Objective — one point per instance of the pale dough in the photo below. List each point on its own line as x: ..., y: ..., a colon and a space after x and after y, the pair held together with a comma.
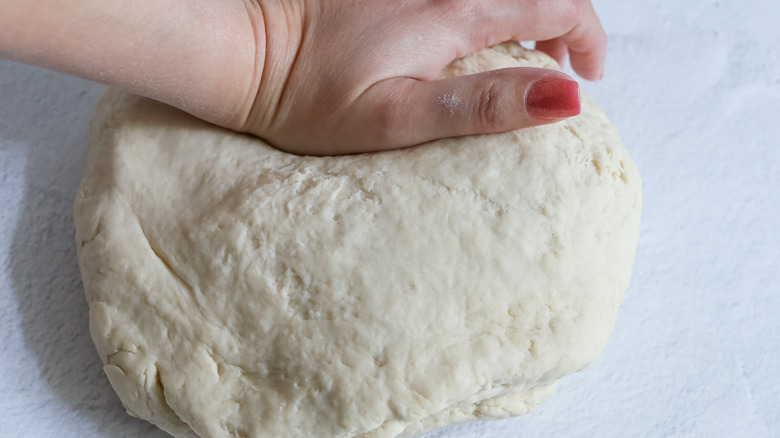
x: 238, y: 291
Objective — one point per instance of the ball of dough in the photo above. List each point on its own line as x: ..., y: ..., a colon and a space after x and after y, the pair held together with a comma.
x: 239, y: 291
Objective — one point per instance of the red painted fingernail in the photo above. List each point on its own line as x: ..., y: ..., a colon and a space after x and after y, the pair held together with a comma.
x: 553, y: 98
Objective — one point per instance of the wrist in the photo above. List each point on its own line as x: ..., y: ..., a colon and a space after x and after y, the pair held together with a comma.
x: 198, y: 55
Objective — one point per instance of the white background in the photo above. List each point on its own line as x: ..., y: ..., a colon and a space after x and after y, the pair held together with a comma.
x: 694, y: 89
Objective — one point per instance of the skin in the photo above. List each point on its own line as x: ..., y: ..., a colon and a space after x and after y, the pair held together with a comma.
x: 319, y: 77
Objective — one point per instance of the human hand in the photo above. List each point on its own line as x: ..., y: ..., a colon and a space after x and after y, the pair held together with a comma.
x: 359, y: 75
x: 318, y: 77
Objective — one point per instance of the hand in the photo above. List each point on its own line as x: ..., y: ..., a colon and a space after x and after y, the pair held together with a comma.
x: 318, y: 76
x: 356, y: 75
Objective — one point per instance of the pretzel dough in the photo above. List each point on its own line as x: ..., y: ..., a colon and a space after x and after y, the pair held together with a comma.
x: 238, y: 291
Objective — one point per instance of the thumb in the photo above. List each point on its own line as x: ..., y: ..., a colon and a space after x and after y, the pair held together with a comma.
x: 409, y: 112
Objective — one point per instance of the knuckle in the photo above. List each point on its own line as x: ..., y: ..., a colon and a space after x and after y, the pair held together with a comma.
x: 577, y: 6
x: 453, y: 4
x: 384, y: 123
x: 491, y: 109
x: 460, y: 8
x: 571, y: 11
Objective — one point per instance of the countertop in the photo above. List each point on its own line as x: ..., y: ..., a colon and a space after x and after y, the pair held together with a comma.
x: 694, y: 89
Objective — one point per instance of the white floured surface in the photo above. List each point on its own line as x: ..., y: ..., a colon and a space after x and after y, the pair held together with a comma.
x: 693, y: 88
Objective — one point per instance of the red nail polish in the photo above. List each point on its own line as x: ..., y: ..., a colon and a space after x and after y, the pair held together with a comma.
x: 553, y: 98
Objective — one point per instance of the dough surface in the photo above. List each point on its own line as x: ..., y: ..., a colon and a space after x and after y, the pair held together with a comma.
x: 238, y: 291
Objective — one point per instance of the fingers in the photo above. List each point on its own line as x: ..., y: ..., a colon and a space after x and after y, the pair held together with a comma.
x: 555, y: 48
x: 587, y: 43
x: 558, y: 25
x: 406, y: 112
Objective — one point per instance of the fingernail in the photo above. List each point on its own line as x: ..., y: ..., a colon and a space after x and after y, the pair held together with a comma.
x: 553, y: 98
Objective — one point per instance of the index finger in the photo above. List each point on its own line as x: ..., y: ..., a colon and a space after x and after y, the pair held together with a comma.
x: 463, y: 27
x: 587, y: 42
x: 569, y: 26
